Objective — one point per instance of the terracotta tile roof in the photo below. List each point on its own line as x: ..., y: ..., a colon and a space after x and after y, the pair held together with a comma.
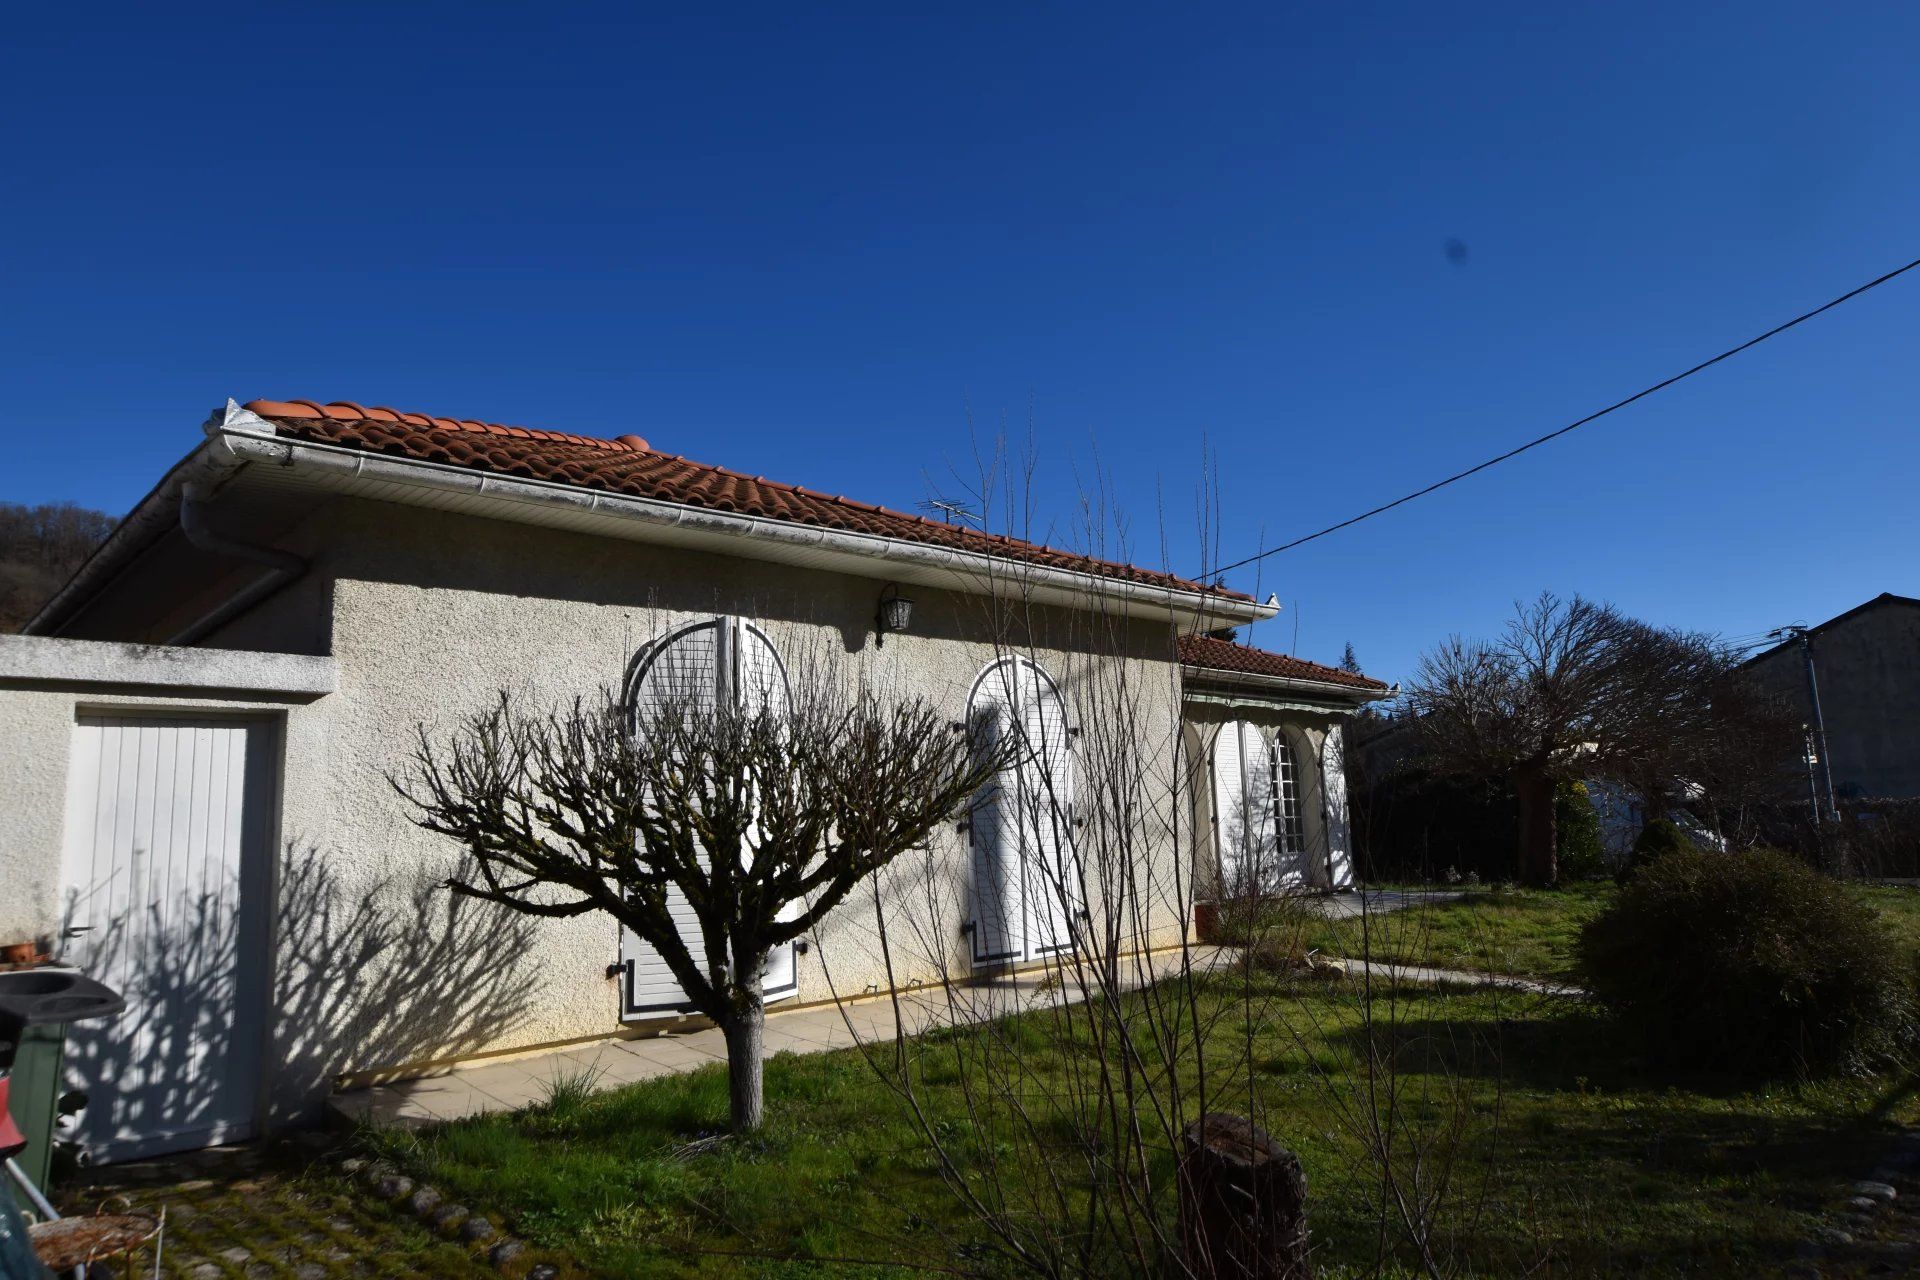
x: 629, y: 465
x: 1226, y: 655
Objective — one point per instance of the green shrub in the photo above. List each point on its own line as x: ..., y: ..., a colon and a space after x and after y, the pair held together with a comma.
x: 1749, y: 962
x: 1582, y: 855
x: 1658, y: 839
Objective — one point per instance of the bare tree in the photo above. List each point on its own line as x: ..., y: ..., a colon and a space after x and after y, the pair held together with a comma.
x: 40, y: 548
x: 760, y: 816
x: 1577, y: 689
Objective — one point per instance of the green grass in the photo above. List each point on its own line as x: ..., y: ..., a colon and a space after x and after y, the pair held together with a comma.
x: 1498, y: 930
x: 1574, y: 1161
x: 1529, y: 932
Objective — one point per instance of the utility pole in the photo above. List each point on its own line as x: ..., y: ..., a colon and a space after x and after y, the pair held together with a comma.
x: 1819, y: 722
x: 1810, y: 754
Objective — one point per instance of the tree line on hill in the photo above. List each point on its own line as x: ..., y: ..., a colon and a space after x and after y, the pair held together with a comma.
x: 40, y: 548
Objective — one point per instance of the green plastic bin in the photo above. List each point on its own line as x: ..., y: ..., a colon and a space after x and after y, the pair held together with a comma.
x: 35, y: 1095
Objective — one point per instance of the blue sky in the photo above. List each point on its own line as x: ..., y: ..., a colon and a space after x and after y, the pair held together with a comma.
x: 827, y: 243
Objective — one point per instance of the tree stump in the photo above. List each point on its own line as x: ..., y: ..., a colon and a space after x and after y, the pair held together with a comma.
x: 1243, y: 1202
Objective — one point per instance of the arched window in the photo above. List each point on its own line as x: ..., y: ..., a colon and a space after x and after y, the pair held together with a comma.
x: 1026, y: 879
x: 720, y: 662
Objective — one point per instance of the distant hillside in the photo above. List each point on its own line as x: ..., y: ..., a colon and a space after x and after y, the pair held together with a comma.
x: 40, y: 547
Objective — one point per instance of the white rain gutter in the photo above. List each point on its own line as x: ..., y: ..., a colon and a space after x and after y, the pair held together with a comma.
x: 240, y: 436
x: 1227, y: 682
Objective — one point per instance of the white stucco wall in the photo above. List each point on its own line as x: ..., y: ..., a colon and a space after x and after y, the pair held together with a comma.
x: 433, y: 614
x: 45, y: 683
x: 427, y: 615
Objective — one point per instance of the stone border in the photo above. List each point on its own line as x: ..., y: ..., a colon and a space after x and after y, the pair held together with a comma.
x: 1835, y: 1240
x: 505, y: 1253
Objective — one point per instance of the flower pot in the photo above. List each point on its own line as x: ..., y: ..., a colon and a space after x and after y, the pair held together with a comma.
x: 1206, y: 922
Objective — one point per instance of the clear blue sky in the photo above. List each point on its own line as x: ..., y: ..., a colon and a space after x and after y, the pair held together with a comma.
x: 808, y: 241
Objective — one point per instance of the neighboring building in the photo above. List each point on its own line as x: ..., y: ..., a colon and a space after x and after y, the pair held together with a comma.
x: 1866, y: 662
x: 200, y: 726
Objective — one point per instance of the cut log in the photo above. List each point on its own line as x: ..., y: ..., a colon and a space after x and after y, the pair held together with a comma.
x: 1243, y: 1202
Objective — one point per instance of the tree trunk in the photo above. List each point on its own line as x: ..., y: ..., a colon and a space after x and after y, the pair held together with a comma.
x: 1539, y: 829
x: 745, y: 1032
x: 1243, y: 1203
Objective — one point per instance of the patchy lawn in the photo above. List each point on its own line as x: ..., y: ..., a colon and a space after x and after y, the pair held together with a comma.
x: 1530, y: 932
x: 1497, y: 930
x: 1594, y: 1166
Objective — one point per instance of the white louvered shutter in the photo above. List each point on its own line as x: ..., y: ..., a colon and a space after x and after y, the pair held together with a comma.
x: 760, y: 680
x: 1051, y: 875
x: 1333, y: 779
x: 994, y: 824
x: 687, y: 666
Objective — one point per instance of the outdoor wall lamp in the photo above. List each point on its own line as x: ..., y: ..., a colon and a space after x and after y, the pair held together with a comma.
x: 896, y: 614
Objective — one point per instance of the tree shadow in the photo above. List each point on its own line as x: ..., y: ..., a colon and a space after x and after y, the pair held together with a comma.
x: 241, y: 1009
x: 403, y: 972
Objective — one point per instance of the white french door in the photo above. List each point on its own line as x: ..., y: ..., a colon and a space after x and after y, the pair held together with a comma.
x: 1256, y: 811
x: 167, y: 874
x: 1026, y: 880
x: 721, y: 662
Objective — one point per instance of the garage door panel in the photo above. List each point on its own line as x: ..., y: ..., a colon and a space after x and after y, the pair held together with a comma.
x: 167, y: 871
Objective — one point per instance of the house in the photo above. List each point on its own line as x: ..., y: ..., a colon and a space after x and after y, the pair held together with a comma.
x: 1866, y: 665
x: 200, y: 727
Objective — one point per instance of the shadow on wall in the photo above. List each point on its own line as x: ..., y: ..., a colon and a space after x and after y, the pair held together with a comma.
x: 359, y: 979
x: 403, y: 973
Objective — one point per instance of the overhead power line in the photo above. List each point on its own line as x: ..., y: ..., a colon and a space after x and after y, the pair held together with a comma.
x: 1535, y: 443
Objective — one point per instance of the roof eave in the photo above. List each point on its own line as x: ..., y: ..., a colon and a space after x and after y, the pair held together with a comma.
x: 211, y: 462
x: 237, y: 437
x: 1220, y: 679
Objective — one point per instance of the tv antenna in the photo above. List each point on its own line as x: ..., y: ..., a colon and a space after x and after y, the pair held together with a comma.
x: 950, y: 511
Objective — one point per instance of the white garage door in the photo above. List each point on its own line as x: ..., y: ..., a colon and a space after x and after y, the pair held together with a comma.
x: 167, y: 873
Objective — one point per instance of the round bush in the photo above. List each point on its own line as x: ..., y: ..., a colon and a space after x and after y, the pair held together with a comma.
x: 1749, y: 962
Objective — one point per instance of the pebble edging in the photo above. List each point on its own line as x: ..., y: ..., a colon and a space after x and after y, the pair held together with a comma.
x: 453, y: 1221
x: 1868, y: 1210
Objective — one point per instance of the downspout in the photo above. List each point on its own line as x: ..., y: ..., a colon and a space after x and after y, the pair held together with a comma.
x: 283, y: 567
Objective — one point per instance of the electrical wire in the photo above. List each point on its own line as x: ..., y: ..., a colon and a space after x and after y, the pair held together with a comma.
x: 1535, y: 443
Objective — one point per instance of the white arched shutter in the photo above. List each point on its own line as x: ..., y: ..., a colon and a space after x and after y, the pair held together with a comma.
x: 1051, y: 876
x: 1243, y: 807
x: 760, y: 680
x: 709, y: 663
x: 994, y: 825
x: 1333, y: 788
x: 685, y: 666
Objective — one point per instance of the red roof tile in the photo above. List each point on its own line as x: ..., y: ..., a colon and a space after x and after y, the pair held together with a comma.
x: 628, y: 465
x: 1226, y: 655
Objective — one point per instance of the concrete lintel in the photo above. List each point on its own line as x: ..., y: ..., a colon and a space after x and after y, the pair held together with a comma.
x: 53, y: 660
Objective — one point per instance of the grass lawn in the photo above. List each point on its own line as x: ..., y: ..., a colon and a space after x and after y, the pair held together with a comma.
x: 1523, y: 931
x: 1593, y: 1166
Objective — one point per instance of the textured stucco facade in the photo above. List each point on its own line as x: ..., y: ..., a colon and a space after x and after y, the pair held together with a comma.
x: 45, y: 684
x: 423, y: 616
x: 1867, y: 662
x: 433, y: 616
